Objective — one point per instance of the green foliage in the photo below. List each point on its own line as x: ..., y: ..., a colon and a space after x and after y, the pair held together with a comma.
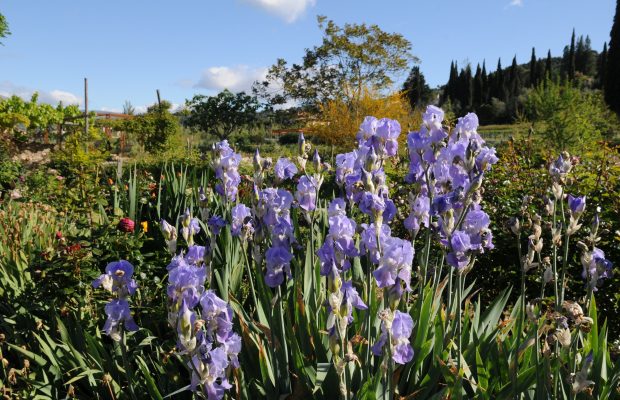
x: 569, y: 118
x: 350, y: 59
x: 223, y: 114
x: 417, y: 91
x: 10, y: 171
x: 4, y: 27
x: 21, y: 120
x: 153, y: 129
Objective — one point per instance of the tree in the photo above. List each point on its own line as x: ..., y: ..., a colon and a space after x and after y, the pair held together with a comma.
x: 548, y: 66
x: 571, y: 57
x: 223, y: 114
x: 451, y: 87
x: 4, y: 28
x: 612, y: 70
x: 478, y: 87
x: 154, y: 128
x: 499, y: 84
x: 515, y: 80
x: 602, y: 67
x: 128, y: 108
x: 467, y: 88
x: 533, y: 69
x: 416, y: 89
x: 485, y: 83
x: 349, y: 59
x: 568, y: 117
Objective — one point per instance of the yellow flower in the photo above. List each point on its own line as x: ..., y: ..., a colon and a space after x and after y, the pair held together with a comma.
x: 145, y: 226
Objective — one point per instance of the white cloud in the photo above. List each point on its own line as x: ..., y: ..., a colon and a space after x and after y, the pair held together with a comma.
x: 288, y: 10
x: 9, y: 89
x: 236, y: 79
x: 516, y: 3
x: 56, y: 96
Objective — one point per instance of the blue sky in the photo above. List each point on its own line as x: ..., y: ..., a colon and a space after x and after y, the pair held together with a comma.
x: 127, y: 49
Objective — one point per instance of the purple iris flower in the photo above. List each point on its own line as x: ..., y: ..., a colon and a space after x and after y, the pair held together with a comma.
x: 476, y: 225
x: 118, y: 312
x: 337, y: 207
x: 420, y: 210
x: 433, y: 117
x: 117, y: 279
x: 226, y: 165
x: 460, y: 249
x: 241, y: 220
x: 441, y: 204
x: 339, y: 245
x: 372, y: 204
x: 560, y: 168
x: 367, y: 129
x: 395, y: 263
x: 577, y: 205
x: 216, y: 223
x: 596, y: 268
x: 486, y: 158
x: 195, y: 255
x: 460, y: 242
x: 278, y: 260
x: 402, y: 327
x: 467, y: 124
x: 400, y: 331
x: 368, y: 242
x: 217, y: 315
x: 285, y: 169
x: 306, y: 193
x: 185, y: 282
x: 345, y: 166
x: 387, y: 131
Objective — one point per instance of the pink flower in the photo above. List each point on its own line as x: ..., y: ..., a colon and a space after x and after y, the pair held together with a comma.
x: 126, y: 225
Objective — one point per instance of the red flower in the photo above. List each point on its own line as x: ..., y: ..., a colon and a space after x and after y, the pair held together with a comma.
x: 126, y: 225
x: 58, y: 235
x: 74, y: 248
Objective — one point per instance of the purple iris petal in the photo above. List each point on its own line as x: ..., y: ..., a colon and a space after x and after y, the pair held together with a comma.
x: 306, y: 193
x: 285, y: 169
x: 577, y: 205
x: 278, y: 265
x: 216, y: 223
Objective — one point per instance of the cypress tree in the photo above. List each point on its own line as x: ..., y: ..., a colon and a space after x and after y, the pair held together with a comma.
x: 497, y: 81
x: 548, y: 66
x: 540, y: 71
x: 602, y: 66
x: 589, y: 58
x: 571, y: 58
x: 612, y: 69
x: 515, y: 81
x: 533, y: 77
x: 485, y: 83
x: 461, y: 91
x: 452, y: 82
x: 468, y: 89
x: 580, y: 56
x: 417, y: 91
x: 478, y: 88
